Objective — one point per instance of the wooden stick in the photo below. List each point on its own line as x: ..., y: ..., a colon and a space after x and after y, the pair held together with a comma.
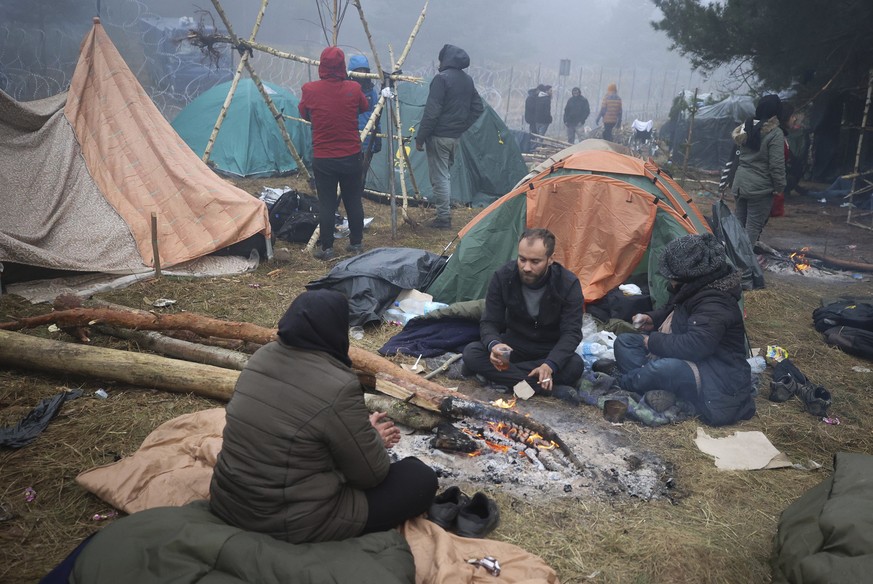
x: 405, y: 52
x: 370, y: 40
x: 233, y: 85
x: 266, y: 96
x: 215, y: 356
x: 395, y: 118
x: 155, y: 252
x: 444, y: 366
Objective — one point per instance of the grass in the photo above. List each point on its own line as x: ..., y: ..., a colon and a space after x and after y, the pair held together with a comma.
x: 717, y: 527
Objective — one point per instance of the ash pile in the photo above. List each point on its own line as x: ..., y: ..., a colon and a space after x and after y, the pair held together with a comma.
x: 593, y: 460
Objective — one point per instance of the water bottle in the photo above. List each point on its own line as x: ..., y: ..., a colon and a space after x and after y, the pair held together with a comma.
x: 431, y: 306
x: 412, y: 306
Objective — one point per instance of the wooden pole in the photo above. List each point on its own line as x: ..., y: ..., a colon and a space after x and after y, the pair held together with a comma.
x: 370, y: 40
x: 401, y: 159
x: 508, y: 96
x: 861, y: 136
x: 155, y: 251
x: 257, y: 80
x: 335, y: 18
x: 233, y: 84
x: 693, y: 109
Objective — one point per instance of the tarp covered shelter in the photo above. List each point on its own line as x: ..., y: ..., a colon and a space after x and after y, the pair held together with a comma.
x: 612, y: 215
x: 82, y: 172
x: 249, y: 142
x: 487, y: 163
x: 711, y: 142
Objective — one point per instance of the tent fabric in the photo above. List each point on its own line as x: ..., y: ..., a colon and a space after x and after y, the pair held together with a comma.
x: 372, y: 280
x: 249, y: 142
x: 611, y: 215
x: 487, y: 163
x: 711, y: 142
x: 85, y: 170
x: 588, y: 144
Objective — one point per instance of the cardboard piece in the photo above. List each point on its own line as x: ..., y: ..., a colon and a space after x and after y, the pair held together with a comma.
x: 523, y: 390
x: 741, y: 451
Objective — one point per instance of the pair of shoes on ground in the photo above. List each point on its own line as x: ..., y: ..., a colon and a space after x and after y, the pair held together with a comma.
x: 788, y: 381
x: 329, y: 254
x: 468, y: 517
x: 441, y: 223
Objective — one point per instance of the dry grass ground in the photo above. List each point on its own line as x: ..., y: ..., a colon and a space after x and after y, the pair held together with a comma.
x: 718, y: 528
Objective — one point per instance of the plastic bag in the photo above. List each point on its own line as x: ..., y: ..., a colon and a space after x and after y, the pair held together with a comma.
x: 589, y: 326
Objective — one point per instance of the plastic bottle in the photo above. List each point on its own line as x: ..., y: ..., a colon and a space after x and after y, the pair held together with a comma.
x: 411, y: 306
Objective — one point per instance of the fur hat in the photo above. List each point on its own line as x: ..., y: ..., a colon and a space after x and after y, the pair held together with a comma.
x: 768, y: 106
x: 692, y: 257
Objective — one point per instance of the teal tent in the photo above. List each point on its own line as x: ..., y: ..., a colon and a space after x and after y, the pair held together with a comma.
x: 249, y: 142
x: 487, y: 163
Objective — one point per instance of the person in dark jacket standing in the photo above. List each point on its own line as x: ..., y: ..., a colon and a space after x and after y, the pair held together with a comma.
x: 532, y: 322
x: 696, y: 345
x: 576, y: 112
x: 453, y: 105
x: 542, y: 109
x: 761, y: 171
x: 332, y: 105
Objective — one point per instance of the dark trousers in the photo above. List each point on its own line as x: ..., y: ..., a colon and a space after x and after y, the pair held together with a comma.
x: 607, y: 131
x: 476, y: 358
x: 345, y: 172
x: 406, y: 492
x: 639, y: 374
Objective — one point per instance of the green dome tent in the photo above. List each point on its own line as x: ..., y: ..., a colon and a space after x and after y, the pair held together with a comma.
x: 611, y: 215
x: 487, y: 163
x: 249, y: 142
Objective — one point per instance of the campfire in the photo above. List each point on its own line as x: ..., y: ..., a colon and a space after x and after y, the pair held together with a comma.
x: 798, y: 258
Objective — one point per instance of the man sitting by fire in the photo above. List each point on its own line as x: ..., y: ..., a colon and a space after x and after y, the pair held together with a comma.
x: 532, y: 322
x: 695, y: 346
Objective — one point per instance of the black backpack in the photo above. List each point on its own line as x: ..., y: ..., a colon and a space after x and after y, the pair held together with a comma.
x: 294, y: 216
x: 853, y: 341
x: 847, y: 312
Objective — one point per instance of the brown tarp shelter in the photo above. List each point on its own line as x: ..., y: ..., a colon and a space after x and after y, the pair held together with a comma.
x: 82, y: 172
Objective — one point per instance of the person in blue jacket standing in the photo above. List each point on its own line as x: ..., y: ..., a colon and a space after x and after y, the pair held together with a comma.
x: 372, y: 143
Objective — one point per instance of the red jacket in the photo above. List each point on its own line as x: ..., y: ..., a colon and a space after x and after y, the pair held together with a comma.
x: 332, y: 104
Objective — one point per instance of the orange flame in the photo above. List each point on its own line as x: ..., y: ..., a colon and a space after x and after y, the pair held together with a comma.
x: 799, y: 259
x: 502, y: 403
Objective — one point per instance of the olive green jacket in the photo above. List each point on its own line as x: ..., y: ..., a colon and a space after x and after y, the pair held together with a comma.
x: 298, y: 449
x: 760, y: 173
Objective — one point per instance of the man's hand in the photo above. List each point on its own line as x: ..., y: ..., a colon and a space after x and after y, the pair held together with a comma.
x: 499, y: 356
x: 643, y: 322
x: 389, y: 433
x: 543, y: 374
x: 419, y: 146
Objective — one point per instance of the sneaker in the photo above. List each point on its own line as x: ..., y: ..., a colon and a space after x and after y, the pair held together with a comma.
x: 324, y: 254
x: 441, y: 223
x: 782, y: 389
x: 355, y: 248
x: 445, y: 507
x: 816, y: 399
x: 478, y: 518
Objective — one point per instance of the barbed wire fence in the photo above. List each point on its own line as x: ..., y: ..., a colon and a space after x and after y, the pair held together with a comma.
x: 36, y: 62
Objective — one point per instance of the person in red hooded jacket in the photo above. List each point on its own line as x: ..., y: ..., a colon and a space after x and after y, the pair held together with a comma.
x: 332, y: 105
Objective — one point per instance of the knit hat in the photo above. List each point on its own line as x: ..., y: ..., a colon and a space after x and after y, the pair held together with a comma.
x: 692, y: 257
x: 768, y: 106
x: 611, y: 88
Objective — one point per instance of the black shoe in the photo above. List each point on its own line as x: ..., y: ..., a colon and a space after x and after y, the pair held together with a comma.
x: 445, y: 507
x: 783, y: 389
x: 816, y: 399
x: 324, y: 254
x: 441, y: 223
x: 607, y: 366
x: 478, y: 518
x: 567, y: 393
x: 355, y: 248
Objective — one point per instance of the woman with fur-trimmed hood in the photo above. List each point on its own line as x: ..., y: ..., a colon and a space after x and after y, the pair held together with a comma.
x: 761, y: 170
x: 695, y: 347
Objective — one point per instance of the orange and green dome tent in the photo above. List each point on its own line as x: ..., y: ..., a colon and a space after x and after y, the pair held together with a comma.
x: 611, y: 214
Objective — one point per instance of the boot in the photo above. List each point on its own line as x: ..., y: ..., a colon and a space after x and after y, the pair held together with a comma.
x: 816, y: 399
x: 783, y: 389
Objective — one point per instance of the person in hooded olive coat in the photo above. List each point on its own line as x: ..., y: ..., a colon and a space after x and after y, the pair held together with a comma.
x: 696, y: 344
x: 761, y: 171
x: 302, y: 460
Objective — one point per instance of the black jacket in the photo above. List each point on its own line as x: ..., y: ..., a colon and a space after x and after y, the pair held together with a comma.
x: 557, y: 330
x: 708, y: 332
x: 576, y: 111
x: 530, y: 107
x: 453, y: 104
x: 543, y: 109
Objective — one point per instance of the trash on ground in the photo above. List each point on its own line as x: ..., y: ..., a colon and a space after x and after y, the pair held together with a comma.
x: 29, y: 495
x: 101, y: 393
x: 741, y: 451
x: 162, y: 302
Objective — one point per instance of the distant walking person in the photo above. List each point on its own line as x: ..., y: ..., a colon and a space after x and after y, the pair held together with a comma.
x: 332, y: 105
x: 453, y: 105
x: 610, y: 111
x: 576, y: 112
x: 761, y: 171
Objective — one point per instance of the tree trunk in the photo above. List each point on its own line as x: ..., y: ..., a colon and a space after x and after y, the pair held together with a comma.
x: 404, y: 413
x: 140, y: 369
x: 186, y: 350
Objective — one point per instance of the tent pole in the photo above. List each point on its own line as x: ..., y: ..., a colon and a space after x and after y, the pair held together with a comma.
x: 373, y: 50
x: 693, y: 109
x: 861, y: 136
x: 155, y: 252
x: 233, y: 84
x: 390, y: 158
x: 395, y: 118
x: 277, y: 116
